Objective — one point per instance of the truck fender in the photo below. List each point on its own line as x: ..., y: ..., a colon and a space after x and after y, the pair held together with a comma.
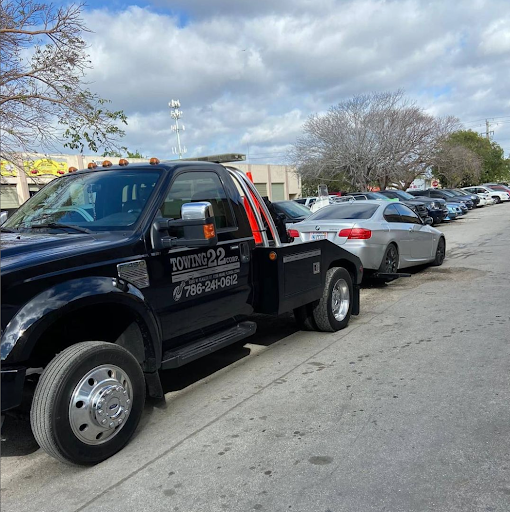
x: 32, y: 320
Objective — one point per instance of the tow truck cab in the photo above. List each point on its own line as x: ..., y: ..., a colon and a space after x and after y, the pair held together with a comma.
x: 112, y: 274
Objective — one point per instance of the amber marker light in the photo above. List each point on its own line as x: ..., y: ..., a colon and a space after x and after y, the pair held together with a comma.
x: 154, y: 161
x: 72, y: 169
x: 92, y: 165
x: 107, y: 163
x: 123, y: 162
x: 209, y: 231
x: 272, y: 256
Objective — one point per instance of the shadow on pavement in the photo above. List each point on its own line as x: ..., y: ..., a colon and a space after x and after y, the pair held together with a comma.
x: 17, y: 438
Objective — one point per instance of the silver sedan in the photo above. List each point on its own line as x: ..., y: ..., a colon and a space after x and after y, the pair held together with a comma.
x: 386, y: 236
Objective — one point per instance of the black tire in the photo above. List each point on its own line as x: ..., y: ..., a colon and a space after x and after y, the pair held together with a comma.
x: 304, y: 317
x: 53, y: 417
x: 339, y: 279
x: 497, y: 199
x: 389, y: 263
x: 440, y: 253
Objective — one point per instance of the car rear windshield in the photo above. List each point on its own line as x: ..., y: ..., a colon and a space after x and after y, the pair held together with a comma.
x: 346, y: 211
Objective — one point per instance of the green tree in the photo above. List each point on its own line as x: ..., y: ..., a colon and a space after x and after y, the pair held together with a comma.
x: 494, y: 165
x: 136, y: 154
x: 116, y: 153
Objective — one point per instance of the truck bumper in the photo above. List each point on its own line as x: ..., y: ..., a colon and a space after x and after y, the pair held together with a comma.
x: 12, y: 381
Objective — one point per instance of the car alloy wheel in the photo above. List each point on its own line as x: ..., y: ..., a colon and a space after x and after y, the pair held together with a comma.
x: 390, y: 260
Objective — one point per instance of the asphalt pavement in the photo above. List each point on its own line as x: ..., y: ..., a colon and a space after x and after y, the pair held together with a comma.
x: 405, y: 410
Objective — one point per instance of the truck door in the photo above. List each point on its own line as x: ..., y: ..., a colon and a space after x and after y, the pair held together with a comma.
x: 194, y: 288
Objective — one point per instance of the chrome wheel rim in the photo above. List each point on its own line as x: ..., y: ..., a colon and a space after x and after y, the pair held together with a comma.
x: 100, y: 404
x: 340, y: 299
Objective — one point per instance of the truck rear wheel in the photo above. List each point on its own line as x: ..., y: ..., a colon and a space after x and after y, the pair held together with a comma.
x: 333, y: 311
x: 88, y: 402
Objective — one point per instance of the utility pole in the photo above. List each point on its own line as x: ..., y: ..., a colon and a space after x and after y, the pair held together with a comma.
x: 177, y: 114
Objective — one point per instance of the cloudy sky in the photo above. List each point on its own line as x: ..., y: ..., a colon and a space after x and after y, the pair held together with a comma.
x: 248, y: 73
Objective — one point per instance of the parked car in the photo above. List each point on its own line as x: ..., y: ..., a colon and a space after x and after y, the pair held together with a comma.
x: 291, y: 212
x: 498, y: 186
x: 454, y: 211
x: 443, y: 194
x: 487, y: 198
x: 363, y: 196
x: 498, y: 195
x: 460, y: 192
x: 306, y: 201
x: 386, y: 236
x: 435, y: 208
x: 415, y: 205
x: 310, y: 202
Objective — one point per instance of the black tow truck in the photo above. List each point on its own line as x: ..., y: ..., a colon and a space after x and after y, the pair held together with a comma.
x: 112, y: 274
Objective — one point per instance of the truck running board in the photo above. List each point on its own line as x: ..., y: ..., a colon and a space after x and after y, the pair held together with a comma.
x: 187, y: 353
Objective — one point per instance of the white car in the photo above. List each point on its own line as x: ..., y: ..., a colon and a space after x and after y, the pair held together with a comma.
x: 315, y: 203
x: 307, y: 201
x: 485, y: 199
x: 498, y: 195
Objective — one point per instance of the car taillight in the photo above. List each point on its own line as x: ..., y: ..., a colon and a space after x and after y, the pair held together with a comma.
x: 294, y: 233
x: 356, y: 233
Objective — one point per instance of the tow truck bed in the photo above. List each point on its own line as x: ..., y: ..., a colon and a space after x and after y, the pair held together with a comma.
x: 290, y: 276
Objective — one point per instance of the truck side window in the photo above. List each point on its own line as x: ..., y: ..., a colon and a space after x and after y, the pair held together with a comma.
x: 190, y: 187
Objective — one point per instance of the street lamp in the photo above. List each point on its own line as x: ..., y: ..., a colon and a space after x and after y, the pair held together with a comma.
x: 176, y: 114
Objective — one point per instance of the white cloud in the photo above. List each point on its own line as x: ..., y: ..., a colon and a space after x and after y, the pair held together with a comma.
x: 249, y: 73
x: 496, y: 39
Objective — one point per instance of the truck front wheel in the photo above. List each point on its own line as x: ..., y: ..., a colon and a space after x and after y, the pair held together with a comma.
x: 333, y: 311
x: 88, y: 402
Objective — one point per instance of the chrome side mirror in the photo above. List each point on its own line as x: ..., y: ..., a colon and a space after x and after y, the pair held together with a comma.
x: 196, y: 228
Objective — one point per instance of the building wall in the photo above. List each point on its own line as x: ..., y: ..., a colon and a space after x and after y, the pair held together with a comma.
x: 275, y: 178
x: 278, y: 182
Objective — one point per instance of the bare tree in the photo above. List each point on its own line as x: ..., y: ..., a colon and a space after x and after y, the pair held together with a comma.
x: 381, y: 138
x: 456, y: 164
x: 43, y: 99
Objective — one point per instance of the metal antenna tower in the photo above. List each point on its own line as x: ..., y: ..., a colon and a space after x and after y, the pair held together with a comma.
x: 176, y: 114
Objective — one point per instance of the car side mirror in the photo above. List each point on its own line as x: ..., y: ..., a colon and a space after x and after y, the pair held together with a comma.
x: 195, y: 228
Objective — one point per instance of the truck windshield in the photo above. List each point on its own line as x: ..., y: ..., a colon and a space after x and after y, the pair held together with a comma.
x: 94, y: 201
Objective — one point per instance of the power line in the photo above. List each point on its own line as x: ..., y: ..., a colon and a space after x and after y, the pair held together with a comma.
x: 478, y: 123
